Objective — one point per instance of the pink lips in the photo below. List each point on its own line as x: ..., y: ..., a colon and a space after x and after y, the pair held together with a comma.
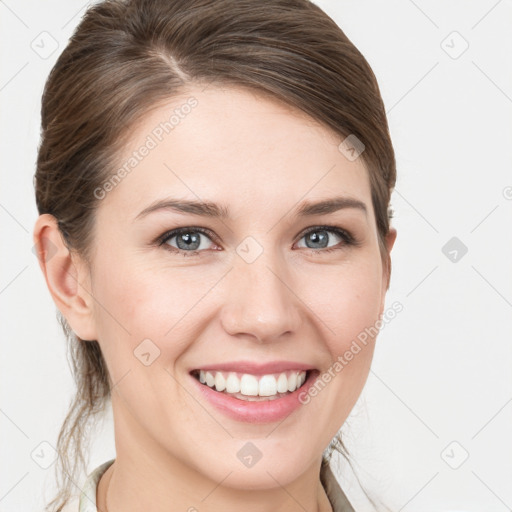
x: 256, y: 411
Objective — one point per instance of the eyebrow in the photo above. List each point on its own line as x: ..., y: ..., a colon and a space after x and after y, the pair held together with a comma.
x: 209, y: 209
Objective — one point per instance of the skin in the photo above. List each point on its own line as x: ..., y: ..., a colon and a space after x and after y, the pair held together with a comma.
x: 262, y: 159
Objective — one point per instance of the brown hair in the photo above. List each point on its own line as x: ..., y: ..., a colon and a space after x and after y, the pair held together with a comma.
x: 127, y: 56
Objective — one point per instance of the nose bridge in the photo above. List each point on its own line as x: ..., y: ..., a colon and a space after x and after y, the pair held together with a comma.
x: 259, y: 299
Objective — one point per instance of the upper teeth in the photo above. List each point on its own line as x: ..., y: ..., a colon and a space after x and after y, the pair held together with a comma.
x: 252, y: 385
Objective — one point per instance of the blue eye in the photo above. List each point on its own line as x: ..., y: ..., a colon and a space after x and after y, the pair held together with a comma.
x: 319, y: 235
x: 189, y: 240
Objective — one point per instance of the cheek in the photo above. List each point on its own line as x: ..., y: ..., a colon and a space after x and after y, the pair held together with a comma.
x: 135, y: 303
x: 347, y: 306
x: 348, y: 302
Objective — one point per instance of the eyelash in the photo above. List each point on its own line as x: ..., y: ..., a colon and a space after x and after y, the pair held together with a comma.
x: 348, y: 239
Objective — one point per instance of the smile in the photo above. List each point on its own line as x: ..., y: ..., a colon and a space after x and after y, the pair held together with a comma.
x: 245, y: 386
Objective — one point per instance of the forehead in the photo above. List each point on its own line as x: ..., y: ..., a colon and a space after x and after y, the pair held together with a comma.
x: 236, y: 146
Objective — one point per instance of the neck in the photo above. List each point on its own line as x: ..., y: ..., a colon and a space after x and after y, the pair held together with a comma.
x: 121, y: 488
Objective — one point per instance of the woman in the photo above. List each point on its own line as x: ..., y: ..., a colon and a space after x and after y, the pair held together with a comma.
x: 213, y: 183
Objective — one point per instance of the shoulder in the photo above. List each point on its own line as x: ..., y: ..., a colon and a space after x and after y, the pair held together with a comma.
x: 86, y: 502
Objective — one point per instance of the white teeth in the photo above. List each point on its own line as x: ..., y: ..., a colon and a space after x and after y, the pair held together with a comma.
x: 282, y: 383
x: 268, y: 386
x: 248, y: 385
x: 220, y: 382
x: 292, y: 382
x: 232, y: 384
x: 210, y: 379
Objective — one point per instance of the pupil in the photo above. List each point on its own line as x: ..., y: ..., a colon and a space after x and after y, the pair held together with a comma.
x: 318, y: 238
x: 189, y: 240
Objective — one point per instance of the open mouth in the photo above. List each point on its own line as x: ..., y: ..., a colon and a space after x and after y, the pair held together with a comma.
x: 254, y: 388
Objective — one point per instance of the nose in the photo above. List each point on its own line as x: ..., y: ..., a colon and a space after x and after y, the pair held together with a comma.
x: 260, y: 301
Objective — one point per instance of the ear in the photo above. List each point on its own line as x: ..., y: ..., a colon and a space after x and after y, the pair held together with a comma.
x: 386, y: 273
x: 67, y: 277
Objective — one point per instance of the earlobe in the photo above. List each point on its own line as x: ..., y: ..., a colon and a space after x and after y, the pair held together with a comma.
x: 390, y: 239
x: 66, y: 276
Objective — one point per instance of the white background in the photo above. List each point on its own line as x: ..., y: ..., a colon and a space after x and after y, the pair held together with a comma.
x: 441, y: 384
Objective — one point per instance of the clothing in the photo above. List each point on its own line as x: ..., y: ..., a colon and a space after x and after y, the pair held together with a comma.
x: 339, y: 501
x: 87, y: 500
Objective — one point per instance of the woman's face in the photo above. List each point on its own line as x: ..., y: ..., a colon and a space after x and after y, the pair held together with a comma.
x: 251, y: 287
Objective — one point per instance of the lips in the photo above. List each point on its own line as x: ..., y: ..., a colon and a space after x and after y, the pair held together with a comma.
x: 254, y: 409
